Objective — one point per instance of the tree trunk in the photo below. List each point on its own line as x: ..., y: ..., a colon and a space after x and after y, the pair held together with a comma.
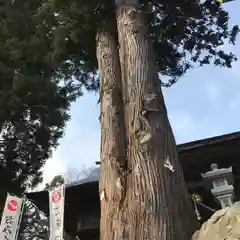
x: 156, y: 204
x: 112, y: 132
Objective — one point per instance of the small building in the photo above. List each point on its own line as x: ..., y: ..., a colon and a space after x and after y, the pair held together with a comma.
x: 82, y: 206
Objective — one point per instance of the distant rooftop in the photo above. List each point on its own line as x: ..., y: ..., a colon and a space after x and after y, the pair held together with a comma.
x: 95, y: 174
x: 195, y: 158
x: 208, y: 141
x: 92, y: 177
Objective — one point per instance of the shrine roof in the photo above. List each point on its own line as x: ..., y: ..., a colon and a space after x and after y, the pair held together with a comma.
x: 195, y: 158
x: 182, y: 148
x: 208, y: 141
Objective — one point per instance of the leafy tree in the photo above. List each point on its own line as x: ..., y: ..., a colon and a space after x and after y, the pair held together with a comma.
x: 57, y: 180
x: 71, y: 175
x: 187, y: 32
x: 137, y: 42
x: 34, y: 224
x: 33, y: 106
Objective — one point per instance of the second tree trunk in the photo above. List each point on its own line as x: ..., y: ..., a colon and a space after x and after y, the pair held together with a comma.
x: 112, y: 133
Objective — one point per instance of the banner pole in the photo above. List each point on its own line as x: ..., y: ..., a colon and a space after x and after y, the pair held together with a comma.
x: 63, y: 209
x: 20, y: 218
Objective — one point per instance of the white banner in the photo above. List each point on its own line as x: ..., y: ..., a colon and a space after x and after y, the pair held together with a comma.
x: 56, y: 205
x: 11, y: 218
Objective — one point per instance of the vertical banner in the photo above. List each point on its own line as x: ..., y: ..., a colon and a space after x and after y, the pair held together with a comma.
x: 56, y: 207
x: 11, y: 218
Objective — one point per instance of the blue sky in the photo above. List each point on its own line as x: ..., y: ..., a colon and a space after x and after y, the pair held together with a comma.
x: 205, y: 102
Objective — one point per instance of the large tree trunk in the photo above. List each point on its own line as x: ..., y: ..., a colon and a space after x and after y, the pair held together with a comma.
x: 112, y: 132
x: 156, y: 204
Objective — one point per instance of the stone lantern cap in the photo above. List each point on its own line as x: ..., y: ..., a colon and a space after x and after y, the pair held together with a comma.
x: 217, y: 173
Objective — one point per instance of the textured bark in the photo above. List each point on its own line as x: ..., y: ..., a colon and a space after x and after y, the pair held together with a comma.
x: 112, y: 133
x: 156, y: 204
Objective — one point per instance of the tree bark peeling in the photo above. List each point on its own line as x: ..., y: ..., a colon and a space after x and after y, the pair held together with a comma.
x: 156, y: 198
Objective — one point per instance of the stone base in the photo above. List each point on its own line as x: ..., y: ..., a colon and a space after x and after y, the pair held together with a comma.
x: 223, y: 225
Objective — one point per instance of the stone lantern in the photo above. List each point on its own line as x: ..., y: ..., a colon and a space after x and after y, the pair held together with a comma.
x: 220, y: 183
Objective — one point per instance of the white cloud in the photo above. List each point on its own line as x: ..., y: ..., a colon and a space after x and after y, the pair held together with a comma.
x: 77, y: 154
x: 80, y: 146
x: 56, y: 165
x: 78, y: 151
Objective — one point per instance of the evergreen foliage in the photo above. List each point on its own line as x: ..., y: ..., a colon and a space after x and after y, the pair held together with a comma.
x: 57, y: 180
x: 47, y: 57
